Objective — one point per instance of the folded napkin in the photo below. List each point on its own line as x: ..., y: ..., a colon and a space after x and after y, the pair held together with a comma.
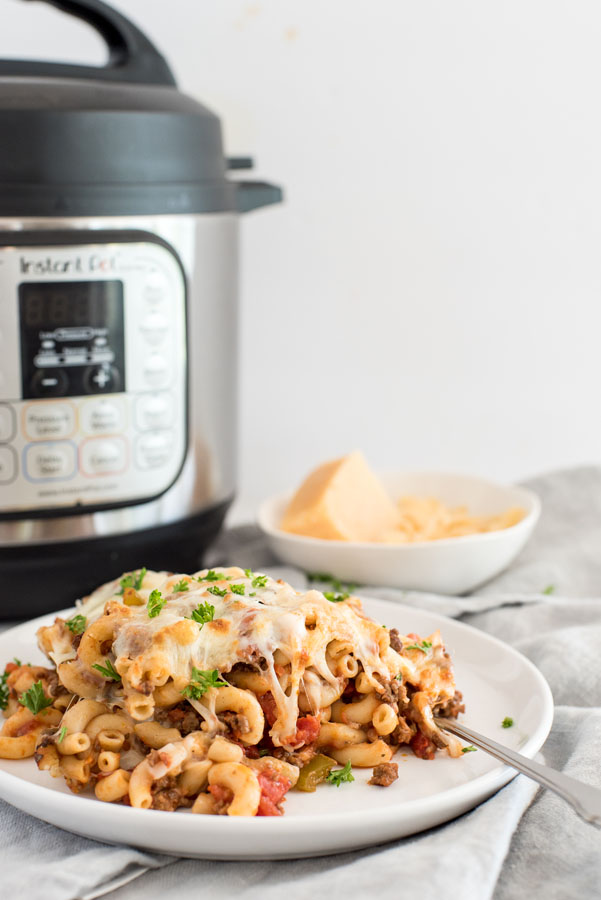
x: 548, y: 606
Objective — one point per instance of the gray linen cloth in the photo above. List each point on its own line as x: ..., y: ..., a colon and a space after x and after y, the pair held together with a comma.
x: 521, y: 842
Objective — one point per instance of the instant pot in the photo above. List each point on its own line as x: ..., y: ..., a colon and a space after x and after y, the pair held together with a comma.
x: 118, y: 326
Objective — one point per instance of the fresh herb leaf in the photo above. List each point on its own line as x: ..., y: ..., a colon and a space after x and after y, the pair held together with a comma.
x: 469, y: 749
x: 335, y: 598
x: 264, y: 752
x: 507, y: 722
x: 61, y: 734
x: 156, y: 602
x: 133, y: 580
x: 109, y: 671
x: 550, y: 589
x: 180, y: 587
x: 76, y: 624
x: 212, y: 575
x: 424, y: 646
x: 336, y: 583
x: 217, y: 592
x: 339, y: 776
x: 249, y: 573
x: 203, y: 613
x: 4, y: 690
x: 202, y: 681
x: 259, y: 581
x: 238, y: 589
x: 35, y: 699
x: 18, y: 662
x: 253, y: 594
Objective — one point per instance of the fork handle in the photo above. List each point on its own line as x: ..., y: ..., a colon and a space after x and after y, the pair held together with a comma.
x: 585, y: 798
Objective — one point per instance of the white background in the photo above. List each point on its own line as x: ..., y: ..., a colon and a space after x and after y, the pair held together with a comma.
x: 430, y: 292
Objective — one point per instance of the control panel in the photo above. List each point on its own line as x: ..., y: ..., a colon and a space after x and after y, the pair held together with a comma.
x: 93, y: 374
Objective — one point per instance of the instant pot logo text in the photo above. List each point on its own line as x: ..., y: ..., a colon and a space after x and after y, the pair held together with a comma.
x: 67, y: 265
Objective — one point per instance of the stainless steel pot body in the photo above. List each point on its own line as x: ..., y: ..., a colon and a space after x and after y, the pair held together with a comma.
x: 116, y: 489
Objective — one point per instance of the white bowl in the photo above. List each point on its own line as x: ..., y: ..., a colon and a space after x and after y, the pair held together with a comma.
x: 448, y: 566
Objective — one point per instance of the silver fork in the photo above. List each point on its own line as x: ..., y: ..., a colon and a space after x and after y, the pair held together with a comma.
x: 585, y: 798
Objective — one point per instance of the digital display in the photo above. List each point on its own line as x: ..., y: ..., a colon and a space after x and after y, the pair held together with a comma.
x: 72, y: 338
x: 47, y: 306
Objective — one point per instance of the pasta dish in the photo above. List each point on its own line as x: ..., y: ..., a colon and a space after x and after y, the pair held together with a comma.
x: 221, y: 691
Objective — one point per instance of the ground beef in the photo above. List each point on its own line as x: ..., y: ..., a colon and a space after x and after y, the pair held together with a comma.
x: 384, y: 774
x: 422, y: 746
x: 395, y: 641
x: 402, y: 734
x: 183, y: 717
x: 169, y: 800
x: 236, y: 724
x: 298, y: 758
x: 450, y: 709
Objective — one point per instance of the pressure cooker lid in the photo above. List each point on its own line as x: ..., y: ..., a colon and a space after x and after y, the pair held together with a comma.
x: 114, y: 140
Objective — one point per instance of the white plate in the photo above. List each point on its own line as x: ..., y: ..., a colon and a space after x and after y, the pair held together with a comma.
x: 449, y: 566
x: 496, y: 682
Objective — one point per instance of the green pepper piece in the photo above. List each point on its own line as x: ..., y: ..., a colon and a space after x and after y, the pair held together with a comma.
x: 315, y: 772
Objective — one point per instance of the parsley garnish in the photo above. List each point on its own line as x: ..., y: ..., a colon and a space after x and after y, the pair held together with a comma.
x: 180, y: 587
x: 238, y: 589
x: 76, y: 624
x: 217, y: 592
x: 201, y: 682
x: 35, y: 699
x: 550, y: 589
x: 4, y: 691
x: 336, y: 583
x: 253, y: 594
x: 203, y: 613
x: 259, y: 581
x: 61, y: 734
x: 212, y: 575
x: 424, y: 646
x: 249, y: 573
x: 18, y: 662
x: 109, y: 671
x: 335, y: 598
x: 339, y: 776
x: 132, y: 580
x: 156, y: 602
x: 264, y: 752
x: 469, y: 749
x: 507, y: 722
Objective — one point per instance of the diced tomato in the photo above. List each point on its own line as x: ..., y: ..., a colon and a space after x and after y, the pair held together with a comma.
x: 273, y: 787
x: 10, y: 667
x: 422, y: 746
x: 221, y: 794
x: 270, y: 710
x: 307, y: 729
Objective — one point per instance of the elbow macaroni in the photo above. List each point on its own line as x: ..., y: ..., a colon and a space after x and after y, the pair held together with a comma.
x: 219, y: 712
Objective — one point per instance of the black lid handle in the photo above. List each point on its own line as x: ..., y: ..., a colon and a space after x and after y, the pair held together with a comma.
x: 132, y: 57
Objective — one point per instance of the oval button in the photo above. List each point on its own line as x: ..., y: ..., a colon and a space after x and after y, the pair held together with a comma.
x: 103, y: 416
x: 8, y: 464
x: 103, y: 457
x: 153, y: 450
x: 49, y: 420
x: 7, y: 423
x: 48, y: 462
x: 155, y: 288
x: 156, y: 370
x: 154, y: 411
x: 154, y: 328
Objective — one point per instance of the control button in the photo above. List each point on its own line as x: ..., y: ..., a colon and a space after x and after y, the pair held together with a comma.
x: 156, y: 370
x: 102, y: 380
x: 102, y: 416
x: 49, y: 420
x: 153, y: 450
x: 154, y: 411
x: 7, y: 423
x: 49, y: 383
x: 100, y: 456
x: 154, y: 328
x: 8, y: 464
x: 155, y: 288
x: 46, y: 462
